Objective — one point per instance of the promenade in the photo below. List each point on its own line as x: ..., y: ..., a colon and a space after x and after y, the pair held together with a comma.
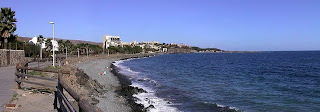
x: 7, y: 82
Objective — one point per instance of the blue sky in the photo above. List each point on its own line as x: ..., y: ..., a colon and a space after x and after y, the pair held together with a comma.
x: 227, y: 24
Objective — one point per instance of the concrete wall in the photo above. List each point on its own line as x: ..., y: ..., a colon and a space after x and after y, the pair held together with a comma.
x: 10, y: 57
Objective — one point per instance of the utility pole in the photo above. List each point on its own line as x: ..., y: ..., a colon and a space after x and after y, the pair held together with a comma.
x: 87, y: 52
x: 78, y: 52
x: 41, y: 52
x: 66, y: 52
x: 108, y: 51
x: 103, y: 50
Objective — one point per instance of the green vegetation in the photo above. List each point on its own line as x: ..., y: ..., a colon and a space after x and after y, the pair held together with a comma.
x: 125, y: 49
x: 7, y: 26
x: 35, y: 73
x: 205, y: 49
x: 31, y: 50
x: 150, y: 49
x: 52, y: 68
x: 92, y: 49
x: 14, y: 97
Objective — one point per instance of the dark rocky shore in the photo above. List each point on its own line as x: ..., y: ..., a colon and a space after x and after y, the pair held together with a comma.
x: 128, y: 91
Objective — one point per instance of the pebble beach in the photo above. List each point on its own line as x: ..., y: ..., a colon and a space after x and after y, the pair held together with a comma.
x: 117, y: 96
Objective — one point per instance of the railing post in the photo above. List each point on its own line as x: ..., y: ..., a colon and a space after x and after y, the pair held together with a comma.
x: 38, y: 63
x: 18, y: 84
x: 80, y: 109
x: 60, y: 88
x: 55, y: 103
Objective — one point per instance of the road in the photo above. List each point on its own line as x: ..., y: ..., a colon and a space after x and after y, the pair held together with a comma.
x: 7, y: 82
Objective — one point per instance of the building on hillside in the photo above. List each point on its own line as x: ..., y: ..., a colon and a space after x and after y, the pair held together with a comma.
x: 164, y: 50
x: 35, y: 41
x: 134, y: 43
x: 109, y: 40
x: 126, y: 43
x: 55, y: 44
x: 152, y: 42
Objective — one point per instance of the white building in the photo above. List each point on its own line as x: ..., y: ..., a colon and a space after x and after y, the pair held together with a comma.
x: 126, y: 43
x: 34, y: 40
x: 109, y: 40
x: 164, y: 49
x: 55, y: 44
x: 152, y: 42
x: 135, y: 43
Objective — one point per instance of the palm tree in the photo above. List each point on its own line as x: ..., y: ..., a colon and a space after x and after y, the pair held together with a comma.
x: 7, y: 25
x: 61, y: 45
x: 40, y: 39
x: 48, y: 46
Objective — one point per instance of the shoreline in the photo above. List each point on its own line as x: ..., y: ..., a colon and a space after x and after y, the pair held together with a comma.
x: 121, y: 96
x: 128, y: 84
x: 116, y: 93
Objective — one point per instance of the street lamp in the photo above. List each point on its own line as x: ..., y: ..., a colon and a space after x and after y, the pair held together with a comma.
x: 53, y: 61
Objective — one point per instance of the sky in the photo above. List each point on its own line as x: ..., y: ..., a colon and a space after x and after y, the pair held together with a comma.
x: 245, y: 25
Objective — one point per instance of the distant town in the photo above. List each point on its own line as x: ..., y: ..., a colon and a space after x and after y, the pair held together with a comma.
x: 113, y: 44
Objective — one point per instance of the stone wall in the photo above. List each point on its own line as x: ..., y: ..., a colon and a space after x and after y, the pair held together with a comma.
x: 16, y: 56
x: 3, y: 57
x: 10, y: 57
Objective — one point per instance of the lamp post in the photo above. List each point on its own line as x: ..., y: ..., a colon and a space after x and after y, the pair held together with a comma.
x: 53, y: 46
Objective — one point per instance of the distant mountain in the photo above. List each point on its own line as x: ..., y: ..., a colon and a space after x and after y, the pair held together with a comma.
x: 26, y: 39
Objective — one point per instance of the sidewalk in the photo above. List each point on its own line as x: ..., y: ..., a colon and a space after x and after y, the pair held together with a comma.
x: 7, y: 82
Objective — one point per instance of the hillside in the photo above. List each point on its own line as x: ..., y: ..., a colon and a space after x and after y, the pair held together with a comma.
x: 26, y: 39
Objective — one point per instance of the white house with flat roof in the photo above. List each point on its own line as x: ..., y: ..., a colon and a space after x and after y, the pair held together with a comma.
x: 109, y: 40
x: 35, y: 41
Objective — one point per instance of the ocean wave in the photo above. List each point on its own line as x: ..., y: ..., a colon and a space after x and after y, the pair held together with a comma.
x: 148, y: 99
x: 219, y: 107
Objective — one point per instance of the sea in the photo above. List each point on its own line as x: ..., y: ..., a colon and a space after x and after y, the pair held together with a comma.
x: 250, y: 82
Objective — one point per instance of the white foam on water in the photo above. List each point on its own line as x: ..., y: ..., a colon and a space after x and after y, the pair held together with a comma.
x: 149, y: 98
x: 229, y: 107
x: 125, y: 70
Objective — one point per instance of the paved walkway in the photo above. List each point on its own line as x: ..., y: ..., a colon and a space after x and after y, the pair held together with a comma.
x: 7, y: 83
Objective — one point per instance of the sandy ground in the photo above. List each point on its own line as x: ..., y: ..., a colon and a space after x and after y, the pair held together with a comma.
x: 110, y: 101
x: 32, y: 102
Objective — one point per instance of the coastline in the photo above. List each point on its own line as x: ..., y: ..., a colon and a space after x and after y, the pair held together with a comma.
x: 140, y: 89
x: 115, y: 91
x: 116, y: 94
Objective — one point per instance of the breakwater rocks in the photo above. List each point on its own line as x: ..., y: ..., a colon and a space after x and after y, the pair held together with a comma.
x: 128, y: 91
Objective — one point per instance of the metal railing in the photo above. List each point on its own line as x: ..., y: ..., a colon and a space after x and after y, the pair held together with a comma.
x: 60, y: 98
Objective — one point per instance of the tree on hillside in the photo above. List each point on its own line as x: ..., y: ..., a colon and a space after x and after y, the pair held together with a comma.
x: 40, y: 41
x: 48, y: 45
x: 61, y: 46
x: 7, y: 25
x: 137, y: 49
x: 69, y: 46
